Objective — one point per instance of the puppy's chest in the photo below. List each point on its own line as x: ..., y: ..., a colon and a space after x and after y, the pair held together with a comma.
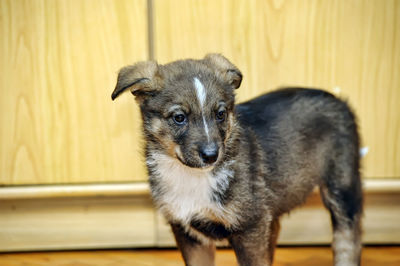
x: 186, y: 194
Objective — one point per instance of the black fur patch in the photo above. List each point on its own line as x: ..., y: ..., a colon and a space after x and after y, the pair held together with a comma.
x: 260, y: 113
x: 211, y: 229
x: 182, y: 236
x: 350, y: 201
x: 348, y: 198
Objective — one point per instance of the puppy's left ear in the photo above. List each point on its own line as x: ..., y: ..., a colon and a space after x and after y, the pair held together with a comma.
x: 225, y: 69
x: 139, y: 79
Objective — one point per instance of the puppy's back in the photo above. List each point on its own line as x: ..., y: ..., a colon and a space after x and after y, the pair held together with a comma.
x: 308, y: 113
x: 301, y: 131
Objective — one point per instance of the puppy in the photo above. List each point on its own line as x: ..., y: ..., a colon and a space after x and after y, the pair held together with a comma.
x: 223, y: 171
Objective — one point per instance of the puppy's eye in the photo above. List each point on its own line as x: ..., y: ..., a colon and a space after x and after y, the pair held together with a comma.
x: 220, y: 115
x: 179, y: 119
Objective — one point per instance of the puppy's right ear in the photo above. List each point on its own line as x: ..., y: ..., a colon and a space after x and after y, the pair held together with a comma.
x: 138, y: 78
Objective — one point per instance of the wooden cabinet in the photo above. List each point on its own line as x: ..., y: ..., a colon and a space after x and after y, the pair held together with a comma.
x: 58, y: 66
x: 59, y: 62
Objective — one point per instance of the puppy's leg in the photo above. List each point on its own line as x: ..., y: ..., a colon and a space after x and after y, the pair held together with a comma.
x: 345, y: 206
x: 194, y: 252
x: 274, y: 233
x: 256, y: 247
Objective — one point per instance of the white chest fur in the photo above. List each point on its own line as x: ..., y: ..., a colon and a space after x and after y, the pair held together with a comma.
x: 188, y: 193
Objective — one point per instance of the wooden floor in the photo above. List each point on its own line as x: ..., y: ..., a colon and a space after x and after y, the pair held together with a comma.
x: 387, y: 256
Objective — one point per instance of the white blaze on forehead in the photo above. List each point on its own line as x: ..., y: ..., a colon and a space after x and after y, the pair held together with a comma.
x: 200, y: 91
x: 201, y: 96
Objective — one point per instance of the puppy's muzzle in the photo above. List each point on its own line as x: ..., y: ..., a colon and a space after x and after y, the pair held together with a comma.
x: 209, y: 153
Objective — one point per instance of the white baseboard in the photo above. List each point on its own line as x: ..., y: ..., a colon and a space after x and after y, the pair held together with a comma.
x: 121, y: 216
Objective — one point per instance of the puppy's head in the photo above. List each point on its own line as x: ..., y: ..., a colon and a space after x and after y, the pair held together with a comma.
x: 187, y: 106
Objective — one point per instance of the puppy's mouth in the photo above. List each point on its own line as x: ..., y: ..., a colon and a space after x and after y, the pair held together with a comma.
x: 194, y: 165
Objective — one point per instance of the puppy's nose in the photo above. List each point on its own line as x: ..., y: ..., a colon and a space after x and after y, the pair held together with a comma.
x: 209, y: 153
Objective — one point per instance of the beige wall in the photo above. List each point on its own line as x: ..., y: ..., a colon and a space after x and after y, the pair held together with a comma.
x: 59, y: 60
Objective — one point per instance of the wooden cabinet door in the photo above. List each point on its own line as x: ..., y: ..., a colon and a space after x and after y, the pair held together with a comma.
x: 59, y: 62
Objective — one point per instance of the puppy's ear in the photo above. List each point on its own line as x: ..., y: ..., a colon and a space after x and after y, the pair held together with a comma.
x: 225, y: 69
x: 139, y: 79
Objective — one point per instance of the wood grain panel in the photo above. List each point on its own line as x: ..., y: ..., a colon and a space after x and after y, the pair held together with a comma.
x: 347, y: 47
x: 58, y: 65
x: 77, y: 223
